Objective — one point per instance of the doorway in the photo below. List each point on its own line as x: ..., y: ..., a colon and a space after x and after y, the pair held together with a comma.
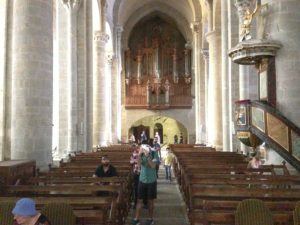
x: 158, y: 127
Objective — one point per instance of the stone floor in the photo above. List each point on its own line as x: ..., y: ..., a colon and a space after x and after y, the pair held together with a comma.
x: 169, y: 207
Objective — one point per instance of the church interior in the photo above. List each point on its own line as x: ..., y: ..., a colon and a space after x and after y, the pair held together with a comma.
x: 214, y: 81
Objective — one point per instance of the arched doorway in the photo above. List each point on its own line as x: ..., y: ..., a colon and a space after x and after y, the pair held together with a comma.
x: 137, y: 131
x: 167, y: 128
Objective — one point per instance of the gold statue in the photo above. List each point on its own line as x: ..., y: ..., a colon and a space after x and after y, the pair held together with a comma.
x: 247, y: 20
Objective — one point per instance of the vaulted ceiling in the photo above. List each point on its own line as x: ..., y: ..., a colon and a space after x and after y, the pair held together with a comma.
x: 119, y: 11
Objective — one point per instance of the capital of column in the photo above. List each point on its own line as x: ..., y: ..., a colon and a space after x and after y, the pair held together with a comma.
x: 212, y: 35
x: 110, y: 59
x: 73, y: 5
x: 242, y: 5
x: 196, y: 26
x: 101, y: 36
x: 205, y: 53
x: 104, y: 4
x: 119, y: 30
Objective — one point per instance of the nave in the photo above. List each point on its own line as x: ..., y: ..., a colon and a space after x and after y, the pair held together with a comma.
x: 210, y: 188
x: 169, y: 207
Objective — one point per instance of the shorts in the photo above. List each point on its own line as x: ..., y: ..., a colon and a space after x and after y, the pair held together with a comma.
x: 147, y: 190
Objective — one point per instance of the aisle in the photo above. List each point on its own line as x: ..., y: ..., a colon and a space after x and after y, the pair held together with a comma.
x: 169, y: 206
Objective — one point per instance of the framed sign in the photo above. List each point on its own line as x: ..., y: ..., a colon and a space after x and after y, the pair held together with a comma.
x: 263, y: 80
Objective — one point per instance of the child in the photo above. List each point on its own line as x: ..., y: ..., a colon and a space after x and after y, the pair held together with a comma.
x: 169, y: 159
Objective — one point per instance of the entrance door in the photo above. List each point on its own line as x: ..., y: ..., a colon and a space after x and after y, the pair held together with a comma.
x: 159, y: 128
x: 137, y: 131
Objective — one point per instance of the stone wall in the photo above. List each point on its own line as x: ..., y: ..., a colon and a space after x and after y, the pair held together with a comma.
x: 183, y: 116
x: 283, y: 26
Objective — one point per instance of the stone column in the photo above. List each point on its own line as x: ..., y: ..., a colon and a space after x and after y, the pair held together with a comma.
x: 32, y: 81
x: 233, y: 68
x: 247, y: 74
x: 3, y: 61
x: 205, y: 55
x: 72, y: 7
x: 200, y: 121
x: 89, y: 79
x: 99, y: 91
x: 214, y: 89
x: 127, y: 63
x: 108, y: 104
x: 226, y: 118
x: 117, y: 96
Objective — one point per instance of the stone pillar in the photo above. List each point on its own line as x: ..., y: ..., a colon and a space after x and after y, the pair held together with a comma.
x: 127, y: 63
x: 3, y: 61
x: 99, y: 91
x: 205, y: 55
x: 214, y: 89
x: 108, y: 103
x: 89, y: 79
x: 32, y: 81
x: 72, y: 7
x: 233, y: 68
x: 226, y: 118
x: 117, y: 96
x: 247, y: 74
x: 200, y: 121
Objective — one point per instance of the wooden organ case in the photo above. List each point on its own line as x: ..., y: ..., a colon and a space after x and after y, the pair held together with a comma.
x: 157, y: 67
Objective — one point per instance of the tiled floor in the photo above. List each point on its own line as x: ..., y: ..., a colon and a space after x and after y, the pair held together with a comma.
x: 169, y: 207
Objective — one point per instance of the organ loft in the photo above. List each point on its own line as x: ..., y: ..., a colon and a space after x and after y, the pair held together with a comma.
x: 157, y: 67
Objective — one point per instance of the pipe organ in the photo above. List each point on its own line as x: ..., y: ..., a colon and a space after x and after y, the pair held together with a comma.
x: 157, y: 67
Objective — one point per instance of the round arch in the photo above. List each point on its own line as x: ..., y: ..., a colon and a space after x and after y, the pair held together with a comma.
x: 168, y: 125
x: 164, y: 11
x: 194, y: 5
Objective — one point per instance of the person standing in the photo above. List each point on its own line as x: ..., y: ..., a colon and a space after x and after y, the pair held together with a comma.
x: 169, y: 159
x: 157, y: 137
x: 156, y: 148
x: 147, y: 183
x: 132, y: 139
x: 175, y: 139
x: 181, y: 139
x: 144, y: 138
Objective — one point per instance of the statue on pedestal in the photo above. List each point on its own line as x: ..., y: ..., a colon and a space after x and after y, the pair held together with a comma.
x: 247, y: 21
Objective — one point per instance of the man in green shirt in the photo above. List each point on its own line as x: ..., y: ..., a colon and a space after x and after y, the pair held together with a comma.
x: 147, y: 187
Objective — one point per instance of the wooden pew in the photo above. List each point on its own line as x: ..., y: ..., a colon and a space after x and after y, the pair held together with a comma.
x: 88, y: 210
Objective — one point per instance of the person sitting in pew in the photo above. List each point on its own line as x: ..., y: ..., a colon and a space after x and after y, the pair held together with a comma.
x: 255, y: 162
x: 105, y: 169
x: 25, y: 213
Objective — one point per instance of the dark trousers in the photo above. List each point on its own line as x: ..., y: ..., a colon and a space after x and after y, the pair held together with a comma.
x: 135, y: 192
